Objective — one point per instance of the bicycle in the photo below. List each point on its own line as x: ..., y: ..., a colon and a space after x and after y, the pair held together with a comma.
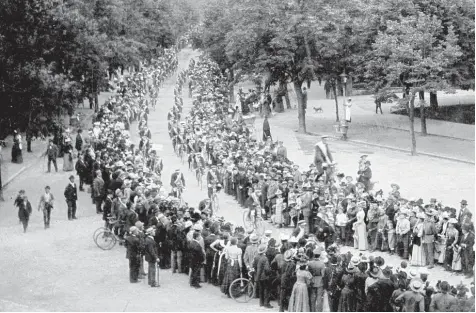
x: 241, y: 289
x: 199, y: 174
x: 215, y: 204
x: 104, y: 237
x: 329, y: 172
x: 256, y: 223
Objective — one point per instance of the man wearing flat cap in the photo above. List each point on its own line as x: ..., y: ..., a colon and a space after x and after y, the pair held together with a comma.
x: 317, y: 268
x: 463, y: 212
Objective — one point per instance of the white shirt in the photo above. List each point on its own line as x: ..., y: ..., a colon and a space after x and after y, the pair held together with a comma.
x: 341, y: 219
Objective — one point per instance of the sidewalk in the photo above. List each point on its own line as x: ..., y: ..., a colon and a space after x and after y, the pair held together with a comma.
x: 418, y: 176
x: 379, y: 133
x: 11, y: 170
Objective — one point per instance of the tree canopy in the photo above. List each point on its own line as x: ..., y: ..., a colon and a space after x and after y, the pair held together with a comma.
x: 53, y: 53
x: 427, y: 44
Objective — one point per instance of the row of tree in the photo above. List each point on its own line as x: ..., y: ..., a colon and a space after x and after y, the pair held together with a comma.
x: 55, y: 53
x: 419, y: 45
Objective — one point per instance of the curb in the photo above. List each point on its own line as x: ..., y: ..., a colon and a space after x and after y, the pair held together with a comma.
x: 417, y: 132
x: 358, y: 142
x: 34, y: 161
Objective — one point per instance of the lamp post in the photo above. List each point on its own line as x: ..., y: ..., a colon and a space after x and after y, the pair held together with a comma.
x: 343, y: 77
x: 344, y: 126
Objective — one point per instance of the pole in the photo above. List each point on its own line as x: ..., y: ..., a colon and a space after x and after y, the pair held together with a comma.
x: 343, y: 102
x: 1, y: 185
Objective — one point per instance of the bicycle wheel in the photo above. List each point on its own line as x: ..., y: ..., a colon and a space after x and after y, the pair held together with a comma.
x: 241, y: 290
x: 247, y: 222
x: 97, y: 231
x: 106, y: 240
x: 259, y: 227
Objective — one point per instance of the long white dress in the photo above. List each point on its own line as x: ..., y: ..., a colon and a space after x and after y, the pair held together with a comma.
x: 360, y: 240
x: 278, y: 218
x: 347, y: 111
x: 418, y: 253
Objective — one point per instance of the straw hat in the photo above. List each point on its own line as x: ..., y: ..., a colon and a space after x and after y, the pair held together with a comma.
x: 288, y: 255
x: 254, y: 238
x: 262, y: 249
x: 416, y: 285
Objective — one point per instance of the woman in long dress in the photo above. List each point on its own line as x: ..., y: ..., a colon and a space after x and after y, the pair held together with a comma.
x: 299, y: 301
x: 347, y: 299
x: 68, y: 156
x: 218, y: 267
x: 418, y: 257
x: 278, y: 216
x: 360, y: 235
x: 347, y: 110
x: 17, y: 156
x: 234, y: 265
x: 452, y: 235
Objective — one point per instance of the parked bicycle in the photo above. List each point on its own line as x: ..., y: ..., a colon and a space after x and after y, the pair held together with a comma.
x: 105, y: 237
x: 241, y: 289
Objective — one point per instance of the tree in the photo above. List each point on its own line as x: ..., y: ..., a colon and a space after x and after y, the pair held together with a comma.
x: 413, y: 52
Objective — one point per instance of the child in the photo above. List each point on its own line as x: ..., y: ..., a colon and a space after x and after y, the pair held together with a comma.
x: 341, y: 222
x: 389, y: 237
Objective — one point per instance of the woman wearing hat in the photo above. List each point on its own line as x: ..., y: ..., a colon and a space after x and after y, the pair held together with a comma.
x: 360, y: 231
x: 233, y: 260
x: 68, y: 155
x: 347, y: 299
x: 451, y: 239
x: 418, y: 257
x: 299, y: 301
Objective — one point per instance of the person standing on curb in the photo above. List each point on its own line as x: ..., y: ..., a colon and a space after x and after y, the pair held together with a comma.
x: 24, y: 209
x: 46, y: 204
x: 71, y: 195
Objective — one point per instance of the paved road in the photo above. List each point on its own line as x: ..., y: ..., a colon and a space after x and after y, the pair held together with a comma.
x: 61, y: 269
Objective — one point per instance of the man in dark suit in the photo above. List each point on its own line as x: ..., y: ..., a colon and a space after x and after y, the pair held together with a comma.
x: 365, y: 175
x: 316, y: 268
x: 82, y: 171
x: 262, y: 276
x: 98, y: 191
x: 52, y: 153
x: 79, y: 141
x: 196, y: 259
x: 151, y: 256
x: 463, y: 211
x: 177, y: 179
x: 133, y: 246
x: 71, y: 195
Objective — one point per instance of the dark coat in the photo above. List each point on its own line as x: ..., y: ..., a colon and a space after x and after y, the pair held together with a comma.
x: 195, y: 253
x: 71, y: 193
x: 262, y: 268
x: 79, y: 142
x: 81, y: 169
x: 364, y: 177
x: 151, y: 253
x: 133, y: 246
x: 382, y: 289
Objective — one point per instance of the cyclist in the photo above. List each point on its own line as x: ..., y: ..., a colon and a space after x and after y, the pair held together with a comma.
x: 177, y: 181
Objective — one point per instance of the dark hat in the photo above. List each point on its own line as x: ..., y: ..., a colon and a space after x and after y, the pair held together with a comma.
x: 464, y: 202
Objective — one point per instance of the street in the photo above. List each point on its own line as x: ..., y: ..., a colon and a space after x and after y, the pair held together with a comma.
x: 61, y: 269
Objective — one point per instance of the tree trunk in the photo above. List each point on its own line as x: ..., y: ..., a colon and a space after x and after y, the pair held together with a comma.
x: 421, y: 94
x: 96, y: 101
x: 231, y: 86
x: 433, y: 101
x: 423, y: 118
x: 279, y: 98
x: 301, y: 108
x: 334, y: 92
x: 411, y: 116
x: 286, y: 97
